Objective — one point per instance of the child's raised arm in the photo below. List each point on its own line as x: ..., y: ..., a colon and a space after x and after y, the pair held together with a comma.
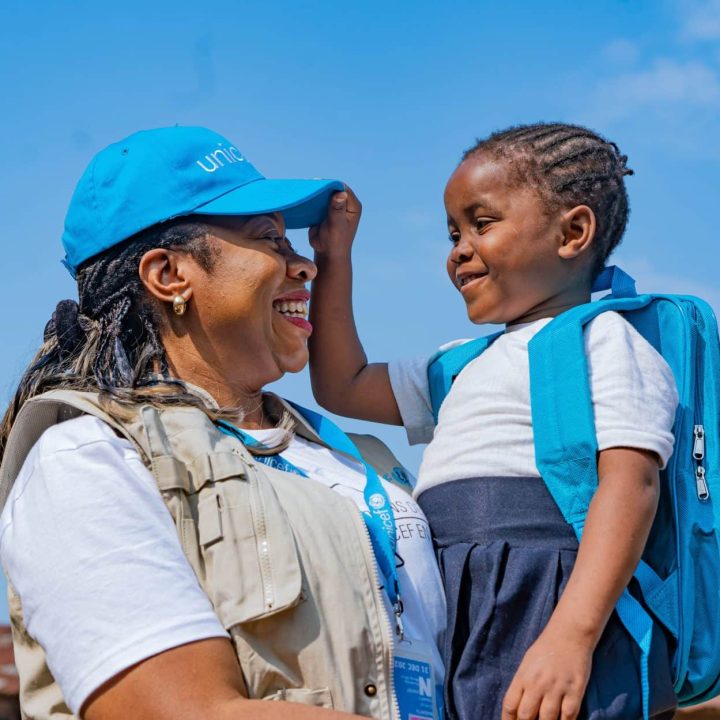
x: 342, y: 379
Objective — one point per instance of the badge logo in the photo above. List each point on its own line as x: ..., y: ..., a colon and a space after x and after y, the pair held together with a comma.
x: 376, y: 501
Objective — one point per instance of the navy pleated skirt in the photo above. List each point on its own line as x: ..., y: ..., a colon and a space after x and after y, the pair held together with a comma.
x: 506, y: 553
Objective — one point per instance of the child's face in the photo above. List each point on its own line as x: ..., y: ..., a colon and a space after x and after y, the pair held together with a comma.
x: 506, y: 255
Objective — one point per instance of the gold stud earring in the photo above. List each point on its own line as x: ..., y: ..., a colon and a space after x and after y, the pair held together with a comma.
x: 179, y: 305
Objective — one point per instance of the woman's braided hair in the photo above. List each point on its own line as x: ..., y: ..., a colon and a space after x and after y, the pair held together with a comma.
x: 110, y: 342
x: 569, y: 165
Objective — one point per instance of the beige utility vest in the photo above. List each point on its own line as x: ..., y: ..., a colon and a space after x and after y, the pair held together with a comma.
x: 286, y: 562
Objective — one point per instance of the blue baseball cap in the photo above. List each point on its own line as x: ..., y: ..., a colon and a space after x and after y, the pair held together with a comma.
x: 157, y: 175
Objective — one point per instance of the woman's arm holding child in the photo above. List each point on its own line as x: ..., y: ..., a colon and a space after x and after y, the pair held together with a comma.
x: 551, y: 680
x: 342, y: 379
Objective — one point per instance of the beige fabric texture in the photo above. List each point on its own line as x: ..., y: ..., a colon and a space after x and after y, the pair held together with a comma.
x: 287, y: 565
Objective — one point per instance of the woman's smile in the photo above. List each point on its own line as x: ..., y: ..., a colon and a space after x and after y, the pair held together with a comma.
x: 293, y: 307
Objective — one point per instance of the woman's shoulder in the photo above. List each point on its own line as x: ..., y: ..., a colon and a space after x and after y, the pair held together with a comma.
x: 83, y: 448
x: 76, y: 433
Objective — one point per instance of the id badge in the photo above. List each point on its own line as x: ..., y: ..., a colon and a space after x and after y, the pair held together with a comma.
x: 415, y: 686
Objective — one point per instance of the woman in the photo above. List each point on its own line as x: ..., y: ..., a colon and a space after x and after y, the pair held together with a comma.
x: 177, y: 542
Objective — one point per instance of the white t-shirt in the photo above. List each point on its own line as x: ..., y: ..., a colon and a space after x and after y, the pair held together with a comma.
x: 485, y: 425
x: 418, y: 574
x: 89, y: 546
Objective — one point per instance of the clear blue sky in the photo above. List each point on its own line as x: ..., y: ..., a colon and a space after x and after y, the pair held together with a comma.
x: 382, y: 95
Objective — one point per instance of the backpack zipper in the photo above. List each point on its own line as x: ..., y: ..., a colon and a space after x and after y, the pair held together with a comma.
x: 701, y: 486
x: 703, y: 492
x: 699, y: 443
x: 698, y: 451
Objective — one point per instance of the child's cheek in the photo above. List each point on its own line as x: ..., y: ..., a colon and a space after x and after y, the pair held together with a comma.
x: 476, y: 310
x: 451, y: 270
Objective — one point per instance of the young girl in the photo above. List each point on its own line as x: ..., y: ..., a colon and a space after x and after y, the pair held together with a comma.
x: 533, y: 213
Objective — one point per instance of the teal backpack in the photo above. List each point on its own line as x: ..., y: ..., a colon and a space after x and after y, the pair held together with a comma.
x: 679, y: 575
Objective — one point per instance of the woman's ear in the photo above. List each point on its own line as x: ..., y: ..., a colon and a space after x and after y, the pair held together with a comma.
x: 164, y: 274
x: 578, y: 228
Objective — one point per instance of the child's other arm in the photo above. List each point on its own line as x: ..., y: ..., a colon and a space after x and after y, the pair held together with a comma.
x: 552, y: 677
x: 342, y: 379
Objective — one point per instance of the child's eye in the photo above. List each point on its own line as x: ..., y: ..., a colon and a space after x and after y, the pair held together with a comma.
x: 454, y: 237
x: 482, y: 223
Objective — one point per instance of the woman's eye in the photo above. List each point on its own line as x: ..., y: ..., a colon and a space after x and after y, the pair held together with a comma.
x: 277, y: 239
x: 282, y: 243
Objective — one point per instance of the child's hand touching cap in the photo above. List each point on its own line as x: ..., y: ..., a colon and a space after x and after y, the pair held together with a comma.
x: 335, y: 235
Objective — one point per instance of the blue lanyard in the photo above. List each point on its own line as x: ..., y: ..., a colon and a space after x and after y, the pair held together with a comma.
x: 380, y: 519
x: 275, y: 461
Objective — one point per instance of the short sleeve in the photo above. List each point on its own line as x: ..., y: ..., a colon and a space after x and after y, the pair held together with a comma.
x: 633, y: 389
x: 409, y: 382
x: 93, y: 554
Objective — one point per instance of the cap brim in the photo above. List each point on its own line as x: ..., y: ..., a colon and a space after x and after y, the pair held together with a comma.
x: 302, y: 202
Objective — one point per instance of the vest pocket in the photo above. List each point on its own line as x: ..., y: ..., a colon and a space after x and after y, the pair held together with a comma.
x: 317, y: 698
x: 210, y: 519
x: 252, y: 567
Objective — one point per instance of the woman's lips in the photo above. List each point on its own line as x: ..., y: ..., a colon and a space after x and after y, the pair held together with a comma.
x: 299, y: 295
x: 293, y: 307
x: 299, y: 322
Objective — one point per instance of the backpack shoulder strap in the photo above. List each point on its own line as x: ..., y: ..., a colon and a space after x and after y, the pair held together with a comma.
x: 566, y: 442
x: 446, y: 365
x: 561, y: 406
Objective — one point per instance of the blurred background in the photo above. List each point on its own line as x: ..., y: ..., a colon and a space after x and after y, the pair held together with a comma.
x: 385, y: 96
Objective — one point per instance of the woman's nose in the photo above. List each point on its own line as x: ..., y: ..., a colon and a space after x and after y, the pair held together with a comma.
x: 301, y: 268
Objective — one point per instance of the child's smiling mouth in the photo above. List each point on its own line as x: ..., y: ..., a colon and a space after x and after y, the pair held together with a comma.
x: 464, y: 279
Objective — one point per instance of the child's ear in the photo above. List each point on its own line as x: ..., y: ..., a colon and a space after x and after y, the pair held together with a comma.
x: 578, y: 228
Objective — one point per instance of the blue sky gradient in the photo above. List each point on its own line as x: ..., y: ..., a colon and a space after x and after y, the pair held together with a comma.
x: 382, y: 95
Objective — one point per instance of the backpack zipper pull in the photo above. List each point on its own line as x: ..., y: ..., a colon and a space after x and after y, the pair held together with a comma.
x: 703, y: 492
x: 699, y: 442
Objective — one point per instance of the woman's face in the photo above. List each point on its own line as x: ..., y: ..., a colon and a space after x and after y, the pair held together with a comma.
x: 253, y: 304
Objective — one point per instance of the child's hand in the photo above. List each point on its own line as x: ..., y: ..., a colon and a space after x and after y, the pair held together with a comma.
x: 334, y: 236
x: 551, y: 680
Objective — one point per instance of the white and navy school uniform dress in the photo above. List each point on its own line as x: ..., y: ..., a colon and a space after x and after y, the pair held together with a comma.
x: 504, y: 549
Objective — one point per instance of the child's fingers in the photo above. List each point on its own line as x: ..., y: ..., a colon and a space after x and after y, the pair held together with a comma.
x: 314, y: 237
x: 335, y: 215
x: 570, y: 707
x: 550, y: 706
x: 511, y: 701
x: 353, y: 204
x: 338, y: 203
x: 529, y: 705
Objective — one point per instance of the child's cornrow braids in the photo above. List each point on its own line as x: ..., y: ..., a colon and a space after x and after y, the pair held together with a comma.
x: 570, y: 165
